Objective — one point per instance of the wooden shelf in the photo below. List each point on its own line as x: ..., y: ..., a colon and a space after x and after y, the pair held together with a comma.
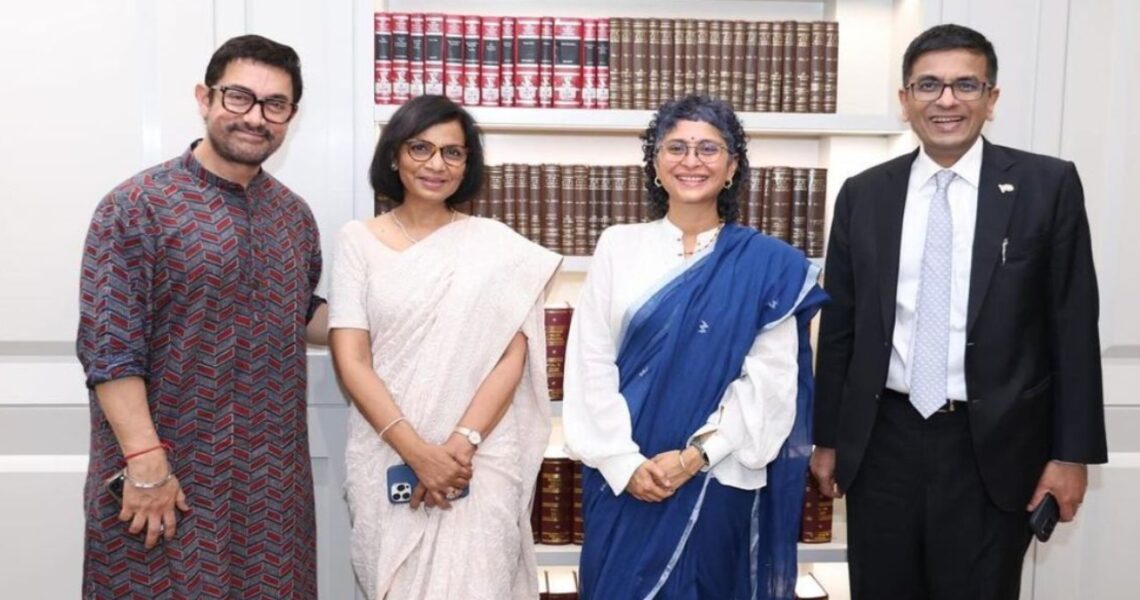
x: 581, y: 264
x: 574, y: 120
x: 833, y: 552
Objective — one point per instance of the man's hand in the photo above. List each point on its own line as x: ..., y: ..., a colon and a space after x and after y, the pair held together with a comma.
x: 152, y: 510
x: 649, y: 483
x: 1067, y: 482
x: 823, y: 469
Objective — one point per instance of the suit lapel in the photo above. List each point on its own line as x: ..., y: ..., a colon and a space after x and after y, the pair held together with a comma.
x: 889, y: 220
x: 994, y: 209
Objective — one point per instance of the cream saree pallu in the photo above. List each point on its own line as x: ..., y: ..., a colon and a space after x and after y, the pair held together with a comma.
x: 440, y: 315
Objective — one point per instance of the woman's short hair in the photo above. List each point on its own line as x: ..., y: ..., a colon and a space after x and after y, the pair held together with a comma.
x: 720, y: 115
x: 415, y: 116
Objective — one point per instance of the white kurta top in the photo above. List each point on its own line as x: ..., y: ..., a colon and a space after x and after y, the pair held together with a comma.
x: 755, y: 414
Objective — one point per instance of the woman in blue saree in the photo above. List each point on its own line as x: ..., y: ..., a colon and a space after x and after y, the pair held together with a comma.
x: 688, y: 382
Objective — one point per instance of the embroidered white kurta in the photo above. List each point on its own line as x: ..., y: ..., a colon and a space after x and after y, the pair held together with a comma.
x: 754, y: 416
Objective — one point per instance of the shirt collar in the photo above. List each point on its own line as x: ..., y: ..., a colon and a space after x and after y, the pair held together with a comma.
x: 968, y: 168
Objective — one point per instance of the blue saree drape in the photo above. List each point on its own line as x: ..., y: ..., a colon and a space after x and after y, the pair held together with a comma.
x: 680, y: 351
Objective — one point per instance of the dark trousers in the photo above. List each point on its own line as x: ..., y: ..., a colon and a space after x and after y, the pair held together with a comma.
x: 920, y: 525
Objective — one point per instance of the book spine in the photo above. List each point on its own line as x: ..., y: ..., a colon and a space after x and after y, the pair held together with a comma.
x: 776, y: 69
x: 652, y: 63
x: 401, y: 58
x: 382, y: 27
x: 557, y: 329
x: 634, y: 207
x: 737, y: 52
x: 568, y: 61
x: 750, y: 54
x: 589, y: 63
x: 715, y: 28
x: 495, y: 179
x: 416, y: 55
x: 818, y: 56
x: 596, y: 207
x: 605, y: 33
x: 534, y: 200
x: 472, y: 48
x: 640, y: 81
x: 788, y: 81
x: 617, y: 188
x: 690, y: 57
x: 668, y: 59
x: 581, y: 224
x: 780, y: 212
x: 453, y: 67
x: 831, y: 66
x: 702, y: 78
x: 679, y: 64
x: 817, y: 212
x: 764, y: 66
x: 754, y: 198
x: 528, y: 47
x: 551, y: 208
x: 802, y: 90
x: 434, y: 54
x: 799, y: 209
x: 490, y: 73
x: 507, y: 63
x: 510, y: 196
x: 627, y: 74
x: 522, y: 201
x: 546, y: 63
x: 556, y: 491
x: 766, y: 201
x: 606, y: 202
x: 566, y: 200
x: 724, y: 63
x: 577, y: 525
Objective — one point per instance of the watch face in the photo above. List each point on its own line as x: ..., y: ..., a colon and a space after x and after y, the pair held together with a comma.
x: 475, y: 438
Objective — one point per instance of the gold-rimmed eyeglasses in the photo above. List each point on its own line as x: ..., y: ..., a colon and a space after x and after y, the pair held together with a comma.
x: 707, y: 151
x: 423, y: 151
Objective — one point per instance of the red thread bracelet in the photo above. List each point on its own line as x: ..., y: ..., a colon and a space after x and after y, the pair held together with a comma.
x: 164, y: 445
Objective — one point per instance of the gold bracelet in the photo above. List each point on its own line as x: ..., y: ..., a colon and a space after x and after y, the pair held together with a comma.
x: 681, y: 457
x: 394, y: 422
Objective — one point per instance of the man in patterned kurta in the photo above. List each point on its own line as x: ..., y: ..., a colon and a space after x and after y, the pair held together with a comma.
x: 197, y: 297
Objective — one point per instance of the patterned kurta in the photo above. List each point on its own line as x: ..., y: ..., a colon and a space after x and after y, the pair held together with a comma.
x: 203, y: 288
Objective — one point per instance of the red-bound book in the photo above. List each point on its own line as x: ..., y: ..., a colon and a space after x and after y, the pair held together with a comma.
x: 546, y: 63
x: 603, y: 63
x: 589, y: 63
x: 489, y: 74
x: 577, y: 525
x: 568, y: 59
x: 383, y: 54
x: 556, y: 498
x: 815, y: 523
x: 434, y: 53
x: 557, y: 321
x: 472, y: 51
x: 507, y: 62
x: 453, y: 58
x: 401, y: 57
x: 528, y: 48
x: 416, y: 55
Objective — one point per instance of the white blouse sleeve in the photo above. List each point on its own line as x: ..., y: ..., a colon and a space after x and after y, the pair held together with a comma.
x: 347, y: 298
x: 595, y: 416
x: 757, y: 411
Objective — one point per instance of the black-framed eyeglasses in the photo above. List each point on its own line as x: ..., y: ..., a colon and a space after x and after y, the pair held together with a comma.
x: 423, y: 151
x: 240, y: 101
x: 929, y: 89
x: 707, y: 151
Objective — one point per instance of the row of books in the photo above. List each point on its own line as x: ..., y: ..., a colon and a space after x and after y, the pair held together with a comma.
x: 566, y: 62
x: 556, y: 517
x: 566, y: 207
x: 763, y: 66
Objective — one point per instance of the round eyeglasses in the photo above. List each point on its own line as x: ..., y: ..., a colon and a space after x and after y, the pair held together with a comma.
x: 240, y: 101
x: 707, y: 151
x: 422, y: 151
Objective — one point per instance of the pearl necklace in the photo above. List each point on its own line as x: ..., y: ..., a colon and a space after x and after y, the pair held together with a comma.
x: 405, y: 231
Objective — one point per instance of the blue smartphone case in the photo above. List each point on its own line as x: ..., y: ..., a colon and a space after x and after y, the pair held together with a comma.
x: 402, y: 482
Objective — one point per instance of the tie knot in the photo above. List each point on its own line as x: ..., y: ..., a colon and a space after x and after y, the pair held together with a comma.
x: 943, y: 179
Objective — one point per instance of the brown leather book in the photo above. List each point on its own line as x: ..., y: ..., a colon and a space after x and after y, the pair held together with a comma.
x: 639, y: 81
x: 766, y: 201
x: 507, y: 62
x: 522, y: 201
x: 831, y: 66
x: 770, y: 66
x: 605, y: 202
x: 510, y: 196
x: 401, y: 57
x: 809, y: 588
x: 738, y: 52
x: 490, y: 73
x: 535, y: 202
x: 788, y: 80
x: 715, y: 28
x: 434, y: 53
x: 799, y: 209
x: 472, y: 57
x: 568, y: 59
x: 620, y: 207
x: 727, y: 56
x: 382, y: 54
x: 627, y: 74
x: 617, y: 63
x: 815, y: 523
x: 557, y: 321
x: 453, y: 67
x: 780, y: 209
x: 680, y: 51
x: 668, y: 60
x: 551, y: 208
x: 817, y: 211
x: 528, y: 47
x: 753, y: 208
x: 690, y: 70
x: 605, y: 59
x: 581, y: 215
x: 751, y: 52
x: 702, y: 78
x: 481, y: 203
x: 589, y: 63
x: 546, y: 62
x: 594, y: 206
x: 566, y: 199
x: 818, y: 54
x: 635, y: 205
x: 653, y: 63
x: 556, y: 498
x: 416, y: 55
x: 495, y: 179
x: 577, y: 526
x: 802, y: 67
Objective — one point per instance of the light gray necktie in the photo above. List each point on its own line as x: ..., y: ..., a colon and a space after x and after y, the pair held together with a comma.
x: 932, y: 314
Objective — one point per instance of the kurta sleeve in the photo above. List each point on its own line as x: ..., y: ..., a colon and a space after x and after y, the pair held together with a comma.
x: 595, y: 416
x: 115, y: 292
x: 347, y: 300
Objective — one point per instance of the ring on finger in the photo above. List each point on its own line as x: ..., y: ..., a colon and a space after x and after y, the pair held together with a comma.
x: 451, y: 494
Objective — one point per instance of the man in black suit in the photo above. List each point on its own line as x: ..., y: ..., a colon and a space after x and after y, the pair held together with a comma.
x: 958, y: 374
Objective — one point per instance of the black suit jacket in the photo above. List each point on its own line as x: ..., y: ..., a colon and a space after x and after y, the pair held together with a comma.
x: 1033, y: 372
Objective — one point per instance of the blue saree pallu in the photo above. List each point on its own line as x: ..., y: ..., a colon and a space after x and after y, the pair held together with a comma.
x: 680, y: 351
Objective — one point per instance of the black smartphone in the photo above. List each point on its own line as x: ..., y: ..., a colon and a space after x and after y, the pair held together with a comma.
x: 114, y: 484
x: 1044, y: 518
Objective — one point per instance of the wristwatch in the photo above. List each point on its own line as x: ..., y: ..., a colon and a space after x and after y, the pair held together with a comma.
x: 471, y: 435
x: 700, y: 446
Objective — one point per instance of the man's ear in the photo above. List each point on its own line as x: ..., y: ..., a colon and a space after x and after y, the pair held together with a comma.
x: 202, y: 95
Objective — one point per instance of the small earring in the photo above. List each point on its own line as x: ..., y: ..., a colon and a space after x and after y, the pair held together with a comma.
x: 657, y: 181
x: 394, y: 167
x: 728, y: 184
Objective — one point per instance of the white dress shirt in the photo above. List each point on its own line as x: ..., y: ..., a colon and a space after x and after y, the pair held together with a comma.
x: 753, y: 417
x: 963, y: 197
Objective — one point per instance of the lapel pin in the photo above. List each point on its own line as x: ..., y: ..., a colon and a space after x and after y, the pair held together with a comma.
x: 1005, y: 187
